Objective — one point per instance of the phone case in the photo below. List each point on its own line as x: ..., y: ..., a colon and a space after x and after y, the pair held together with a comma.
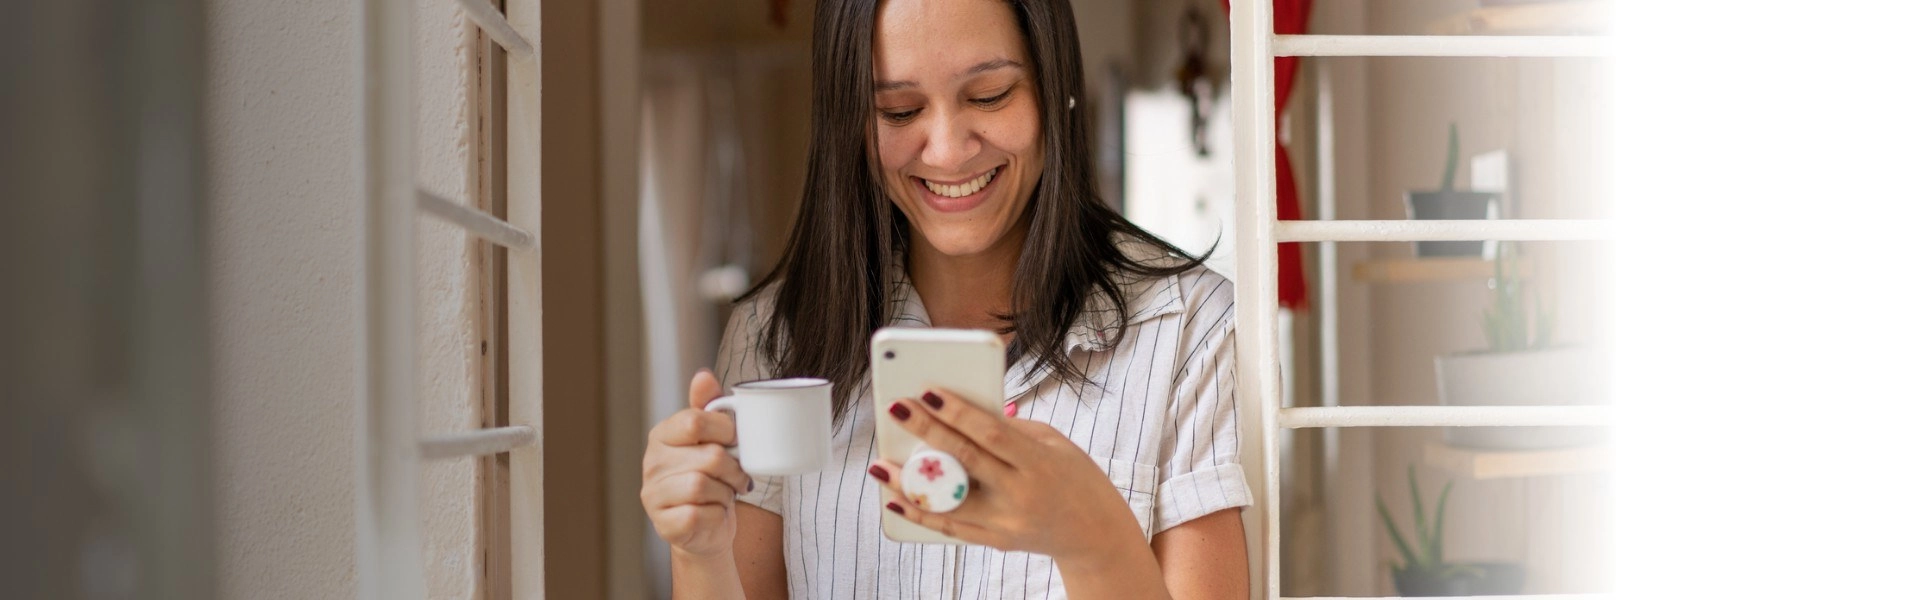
x: 908, y: 361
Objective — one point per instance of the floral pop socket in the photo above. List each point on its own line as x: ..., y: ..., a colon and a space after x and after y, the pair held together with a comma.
x: 933, y: 480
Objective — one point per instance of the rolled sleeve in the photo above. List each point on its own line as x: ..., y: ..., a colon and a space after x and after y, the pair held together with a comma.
x: 1200, y: 450
x: 1201, y: 493
x: 769, y: 492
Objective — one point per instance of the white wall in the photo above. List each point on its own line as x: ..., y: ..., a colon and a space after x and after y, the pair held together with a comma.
x: 285, y: 222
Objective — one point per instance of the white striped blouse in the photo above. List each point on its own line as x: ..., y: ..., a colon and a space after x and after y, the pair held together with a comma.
x: 1158, y: 415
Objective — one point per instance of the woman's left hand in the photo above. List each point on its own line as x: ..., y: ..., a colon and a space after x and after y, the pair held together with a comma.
x: 1034, y: 490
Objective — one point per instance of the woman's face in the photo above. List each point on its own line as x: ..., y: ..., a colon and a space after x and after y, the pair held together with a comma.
x: 958, y: 121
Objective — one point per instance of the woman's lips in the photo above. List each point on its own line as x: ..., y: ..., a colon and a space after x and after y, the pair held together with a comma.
x: 949, y: 204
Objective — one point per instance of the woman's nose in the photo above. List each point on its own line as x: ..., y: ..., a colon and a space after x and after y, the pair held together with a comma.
x: 951, y: 142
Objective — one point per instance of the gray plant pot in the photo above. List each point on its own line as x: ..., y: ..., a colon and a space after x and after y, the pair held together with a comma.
x: 1453, y: 206
x: 1563, y: 375
x: 1493, y: 579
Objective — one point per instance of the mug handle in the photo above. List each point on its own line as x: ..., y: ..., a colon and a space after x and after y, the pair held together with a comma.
x: 725, y: 404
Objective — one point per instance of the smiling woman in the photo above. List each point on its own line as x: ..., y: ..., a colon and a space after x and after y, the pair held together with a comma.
x: 949, y: 184
x: 956, y: 112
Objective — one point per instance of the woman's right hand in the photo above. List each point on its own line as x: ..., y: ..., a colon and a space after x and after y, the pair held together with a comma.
x: 688, y: 481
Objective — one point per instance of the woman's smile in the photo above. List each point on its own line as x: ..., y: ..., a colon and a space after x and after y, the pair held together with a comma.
x: 957, y: 196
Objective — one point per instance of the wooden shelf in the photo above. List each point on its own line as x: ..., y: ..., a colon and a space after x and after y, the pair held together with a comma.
x: 1416, y: 270
x: 1561, y: 17
x: 1497, y: 464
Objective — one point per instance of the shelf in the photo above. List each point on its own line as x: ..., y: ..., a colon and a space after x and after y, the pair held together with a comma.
x: 1561, y: 17
x: 1498, y: 464
x: 1418, y: 270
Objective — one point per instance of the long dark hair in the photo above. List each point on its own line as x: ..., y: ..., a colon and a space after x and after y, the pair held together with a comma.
x: 834, y: 291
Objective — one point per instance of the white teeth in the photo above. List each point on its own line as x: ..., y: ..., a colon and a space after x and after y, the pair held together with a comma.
x: 962, y: 190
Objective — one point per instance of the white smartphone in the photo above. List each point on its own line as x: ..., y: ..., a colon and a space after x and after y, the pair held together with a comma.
x: 909, y: 361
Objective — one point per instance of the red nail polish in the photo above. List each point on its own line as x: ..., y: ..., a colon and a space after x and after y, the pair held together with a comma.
x: 749, y: 485
x: 878, y: 473
x: 933, y: 400
x: 899, y: 411
x: 895, y: 507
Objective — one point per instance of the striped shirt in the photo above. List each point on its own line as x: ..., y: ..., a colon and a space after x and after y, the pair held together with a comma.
x: 1157, y: 415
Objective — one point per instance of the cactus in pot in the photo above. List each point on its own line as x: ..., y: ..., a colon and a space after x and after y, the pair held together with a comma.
x: 1505, y: 321
x: 1448, y: 203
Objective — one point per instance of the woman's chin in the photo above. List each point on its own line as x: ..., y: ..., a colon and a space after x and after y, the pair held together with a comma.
x: 960, y: 244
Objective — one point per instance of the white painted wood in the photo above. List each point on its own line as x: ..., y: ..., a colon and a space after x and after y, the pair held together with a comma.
x: 1256, y: 285
x: 490, y: 20
x: 1442, y: 45
x: 387, y: 536
x: 480, y: 224
x: 1512, y: 597
x: 1444, y: 416
x: 479, y: 442
x: 525, y: 334
x: 1431, y: 231
x: 1328, y: 281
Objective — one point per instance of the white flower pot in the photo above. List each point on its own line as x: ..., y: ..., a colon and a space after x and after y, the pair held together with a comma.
x: 1565, y: 375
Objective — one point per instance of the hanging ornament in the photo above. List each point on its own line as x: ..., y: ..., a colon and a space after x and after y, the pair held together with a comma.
x: 1195, y: 79
x: 777, y: 13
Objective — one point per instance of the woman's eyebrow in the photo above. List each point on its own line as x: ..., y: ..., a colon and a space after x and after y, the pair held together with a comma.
x: 991, y: 65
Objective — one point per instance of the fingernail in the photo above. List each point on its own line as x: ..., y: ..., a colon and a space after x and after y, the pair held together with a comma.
x: 878, y: 473
x: 933, y: 400
x: 749, y: 485
x: 895, y: 507
x: 899, y: 411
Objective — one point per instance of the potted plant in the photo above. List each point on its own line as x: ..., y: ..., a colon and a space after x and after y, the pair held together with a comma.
x: 1424, y: 569
x: 1521, y: 366
x: 1449, y: 204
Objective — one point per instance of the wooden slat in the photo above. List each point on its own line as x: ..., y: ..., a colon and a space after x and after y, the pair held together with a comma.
x: 478, y: 442
x: 1512, y: 597
x: 495, y: 24
x: 1443, y: 416
x: 1498, y: 464
x: 1421, y: 270
x: 526, y: 381
x: 1562, y: 17
x: 475, y: 222
x: 1257, y: 286
x: 387, y: 553
x: 1442, y: 46
x: 1513, y: 230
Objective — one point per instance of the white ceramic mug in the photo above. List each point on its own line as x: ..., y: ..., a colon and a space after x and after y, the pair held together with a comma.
x: 781, y: 426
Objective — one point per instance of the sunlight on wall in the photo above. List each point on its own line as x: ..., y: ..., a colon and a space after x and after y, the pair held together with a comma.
x: 1172, y: 191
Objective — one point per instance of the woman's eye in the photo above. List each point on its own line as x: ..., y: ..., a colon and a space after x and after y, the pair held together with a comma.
x: 994, y: 99
x: 898, y: 116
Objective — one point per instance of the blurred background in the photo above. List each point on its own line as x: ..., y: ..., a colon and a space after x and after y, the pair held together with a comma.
x: 182, y: 305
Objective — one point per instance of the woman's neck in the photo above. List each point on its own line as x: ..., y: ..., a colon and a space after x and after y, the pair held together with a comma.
x: 966, y: 292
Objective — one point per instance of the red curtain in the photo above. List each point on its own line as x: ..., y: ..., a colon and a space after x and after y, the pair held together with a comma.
x: 1289, y: 17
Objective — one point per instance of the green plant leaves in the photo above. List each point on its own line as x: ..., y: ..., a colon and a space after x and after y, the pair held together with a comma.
x: 1430, y: 533
x: 1408, y: 557
x: 1439, y: 524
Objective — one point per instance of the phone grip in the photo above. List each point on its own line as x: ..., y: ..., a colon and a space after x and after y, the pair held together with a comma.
x: 725, y: 404
x: 934, y: 480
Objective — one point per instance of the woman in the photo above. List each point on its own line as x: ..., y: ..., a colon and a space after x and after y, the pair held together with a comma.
x: 949, y: 185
